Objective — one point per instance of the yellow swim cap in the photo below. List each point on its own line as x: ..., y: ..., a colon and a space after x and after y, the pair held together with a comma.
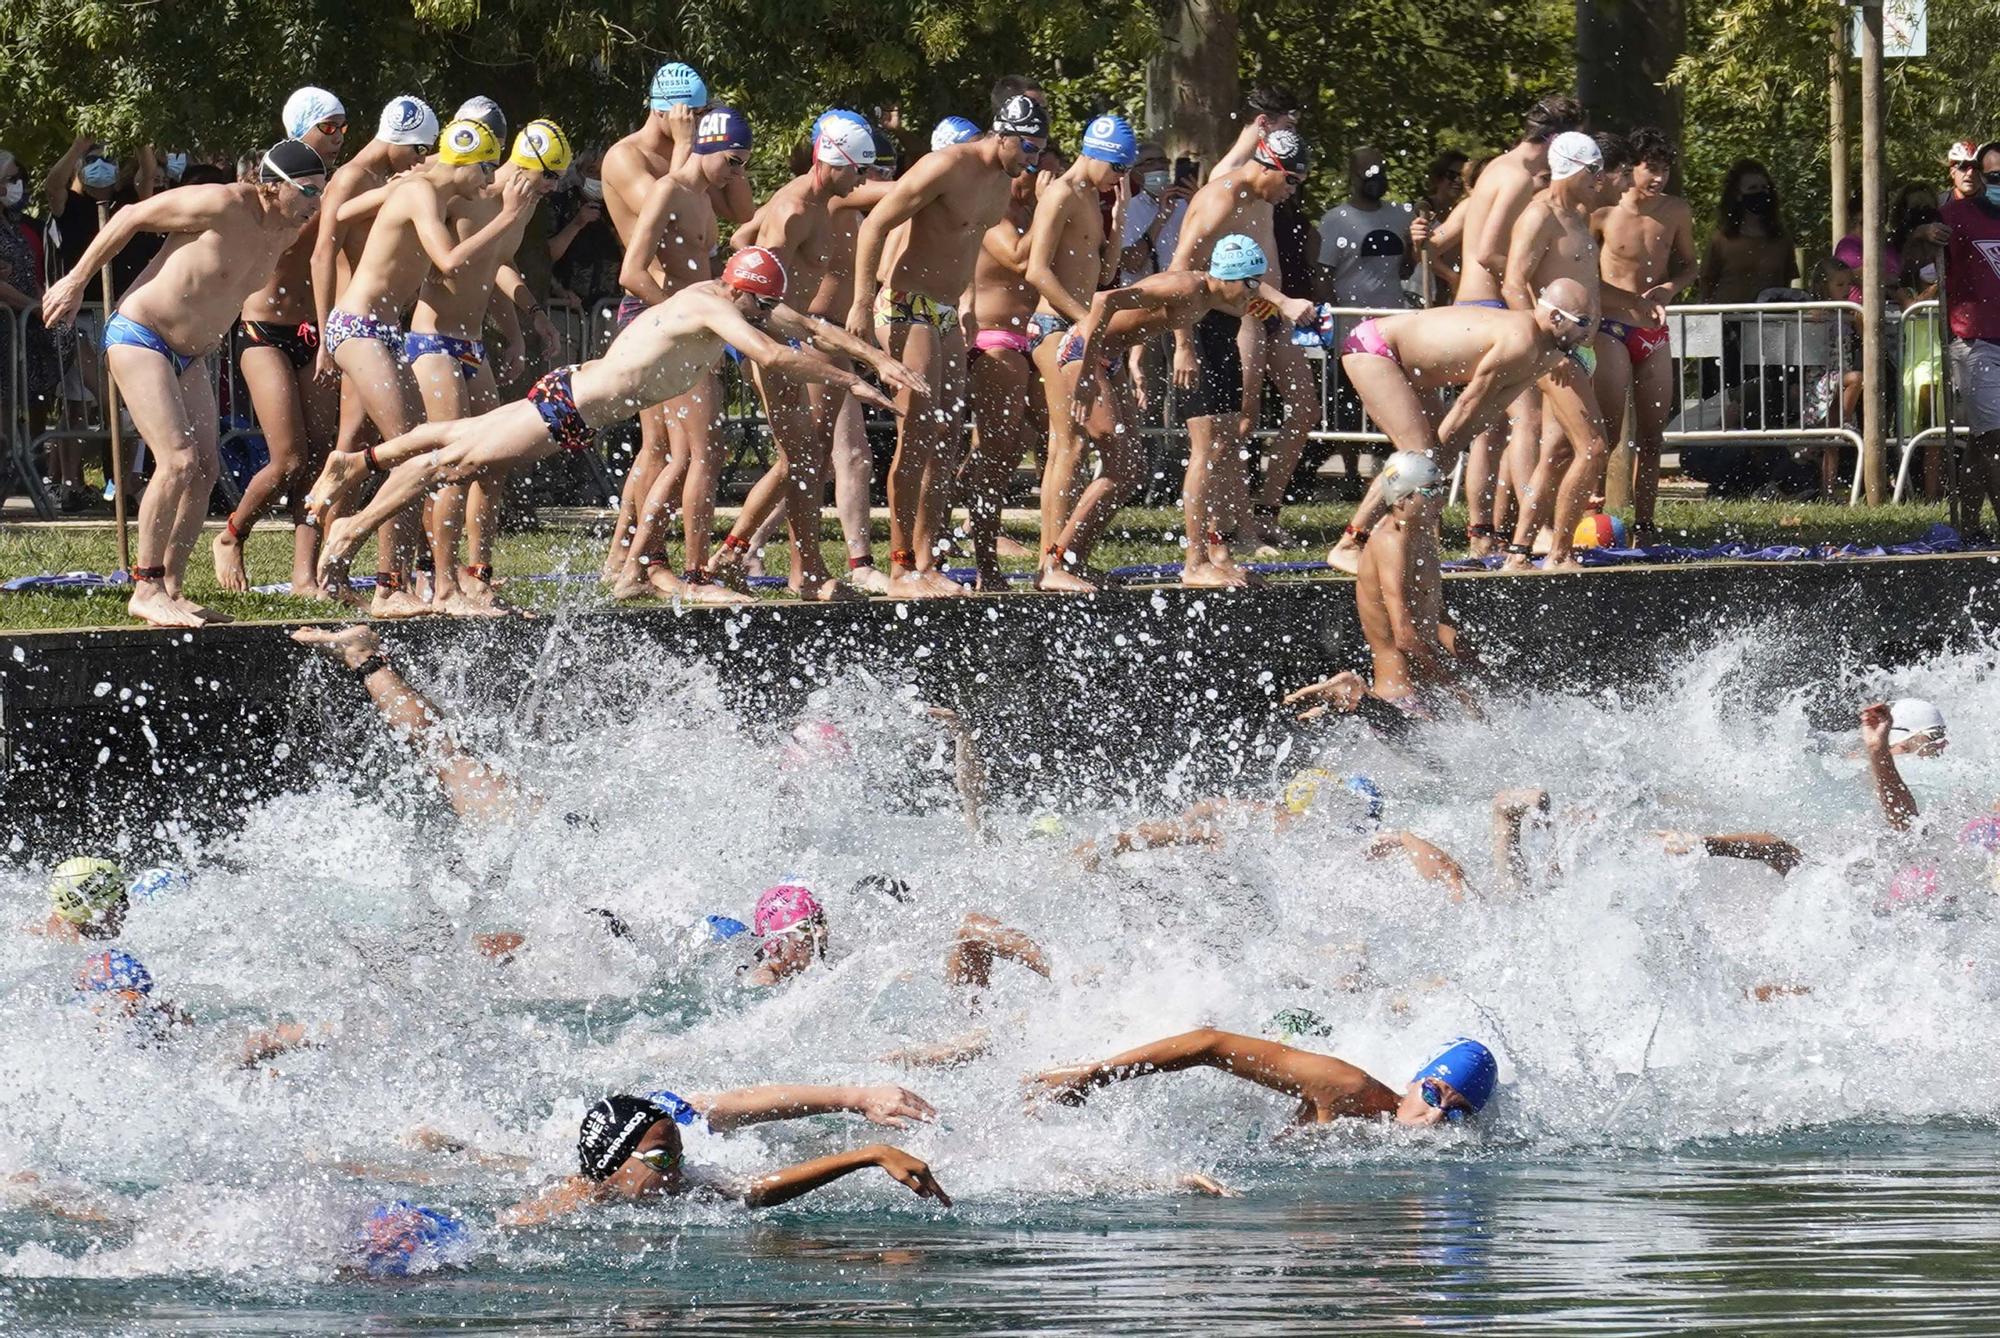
x: 83, y: 888
x: 467, y: 142
x: 1303, y: 789
x: 541, y: 147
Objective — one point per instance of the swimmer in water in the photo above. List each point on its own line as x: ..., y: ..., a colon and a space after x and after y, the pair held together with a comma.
x: 1452, y: 1087
x: 117, y: 988
x: 87, y: 900
x: 404, y: 1239
x: 629, y: 1148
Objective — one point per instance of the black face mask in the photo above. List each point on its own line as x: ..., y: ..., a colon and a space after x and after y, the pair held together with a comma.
x: 1759, y: 202
x: 1920, y: 215
x: 1374, y: 186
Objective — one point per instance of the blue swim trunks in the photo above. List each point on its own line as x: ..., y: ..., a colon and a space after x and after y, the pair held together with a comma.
x: 122, y: 329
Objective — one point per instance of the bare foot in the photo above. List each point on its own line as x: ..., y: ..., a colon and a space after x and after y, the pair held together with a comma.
x: 230, y: 573
x: 1012, y: 548
x: 650, y: 580
x: 209, y: 617
x: 826, y: 590
x: 151, y: 603
x: 462, y: 604
x: 705, y: 593
x: 873, y: 580
x: 1215, y: 576
x: 351, y: 645
x: 1481, y: 545
x: 1345, y: 555
x: 339, y: 479
x: 941, y: 585
x: 1059, y: 579
x: 1565, y: 562
x: 336, y: 553
x: 397, y: 604
x: 1518, y: 562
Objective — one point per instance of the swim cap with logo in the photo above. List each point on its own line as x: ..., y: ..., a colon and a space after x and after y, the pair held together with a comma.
x: 1109, y: 139
x: 1283, y: 149
x: 722, y: 130
x: 1406, y: 472
x: 401, y: 1238
x: 1470, y: 1069
x: 468, y: 142
x: 1237, y: 257
x: 784, y: 906
x: 485, y: 111
x: 1571, y: 152
x: 676, y: 85
x: 1914, y: 715
x: 756, y: 270
x: 308, y: 107
x: 408, y: 120
x: 83, y: 888
x: 1021, y: 115
x: 844, y: 142
x: 542, y: 147
x: 114, y: 972
x: 609, y: 1132
x: 953, y: 130
x: 157, y: 884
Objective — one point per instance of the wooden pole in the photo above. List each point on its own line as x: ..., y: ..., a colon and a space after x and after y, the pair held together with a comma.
x: 111, y: 417
x: 1836, y: 130
x: 1875, y: 468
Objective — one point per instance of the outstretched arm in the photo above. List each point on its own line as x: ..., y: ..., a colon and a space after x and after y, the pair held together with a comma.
x: 1477, y: 401
x: 1266, y: 1063
x: 558, y: 1200
x: 768, y: 1191
x: 884, y: 1103
x: 830, y: 338
x: 190, y: 209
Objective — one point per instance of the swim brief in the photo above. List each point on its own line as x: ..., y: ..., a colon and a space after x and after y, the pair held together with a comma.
x: 470, y: 354
x: 894, y: 308
x: 1041, y: 325
x: 629, y: 308
x: 122, y: 329
x: 299, y: 343
x: 1218, y: 382
x: 1367, y: 338
x: 1492, y: 302
x: 554, y: 396
x: 995, y: 341
x: 342, y: 326
x: 1072, y: 351
x: 1640, y: 341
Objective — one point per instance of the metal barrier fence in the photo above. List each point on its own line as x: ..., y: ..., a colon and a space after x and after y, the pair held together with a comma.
x: 1762, y: 375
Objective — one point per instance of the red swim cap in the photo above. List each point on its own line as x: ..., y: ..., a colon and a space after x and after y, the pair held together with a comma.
x: 756, y: 270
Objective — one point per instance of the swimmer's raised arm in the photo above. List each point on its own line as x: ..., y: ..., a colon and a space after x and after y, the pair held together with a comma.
x: 884, y: 1103
x: 767, y: 1191
x: 981, y: 938
x: 1898, y: 805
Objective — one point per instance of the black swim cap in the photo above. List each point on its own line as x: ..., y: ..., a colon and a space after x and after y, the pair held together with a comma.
x: 610, y: 1130
x: 1283, y: 149
x: 1021, y: 115
x: 291, y: 158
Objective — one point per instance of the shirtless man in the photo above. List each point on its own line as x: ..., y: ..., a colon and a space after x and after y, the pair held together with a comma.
x: 223, y: 242
x: 1399, y: 592
x: 1646, y: 255
x: 797, y: 225
x: 667, y: 250
x: 1454, y: 1086
x: 1482, y: 226
x: 654, y: 359
x: 413, y: 235
x: 1552, y: 240
x: 1208, y: 366
x: 1004, y: 327
x: 448, y: 358
x: 632, y: 166
x: 949, y: 199
x: 1068, y: 261
x: 278, y: 334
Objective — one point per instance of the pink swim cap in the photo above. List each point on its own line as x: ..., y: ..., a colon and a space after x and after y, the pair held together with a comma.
x: 1914, y: 882
x: 785, y: 905
x: 816, y: 741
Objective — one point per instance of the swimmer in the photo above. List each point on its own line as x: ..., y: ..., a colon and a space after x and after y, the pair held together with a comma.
x: 629, y: 1148
x: 1452, y: 1087
x: 949, y: 199
x: 117, y: 987
x: 667, y: 251
x: 1399, y: 594
x: 224, y: 241
x: 632, y: 167
x: 447, y: 356
x: 89, y: 898
x: 1208, y: 365
x: 1646, y: 255
x: 656, y: 358
x: 404, y: 1239
x: 1070, y: 257
x: 791, y: 931
x: 277, y: 339
x: 414, y: 235
x: 1552, y: 240
x: 1231, y: 284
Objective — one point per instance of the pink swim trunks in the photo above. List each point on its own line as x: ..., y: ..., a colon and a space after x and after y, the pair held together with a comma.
x: 1367, y: 338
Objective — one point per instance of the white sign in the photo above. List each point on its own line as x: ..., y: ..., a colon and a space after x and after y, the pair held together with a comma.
x: 1906, y: 27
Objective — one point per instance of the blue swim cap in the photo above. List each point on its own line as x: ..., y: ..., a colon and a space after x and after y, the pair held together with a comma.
x: 721, y: 928
x: 149, y: 884
x: 722, y: 129
x: 953, y: 130
x: 1109, y: 139
x: 676, y: 85
x: 1470, y: 1069
x: 402, y: 1238
x: 1369, y: 791
x: 677, y: 1110
x: 1237, y: 257
x: 114, y: 972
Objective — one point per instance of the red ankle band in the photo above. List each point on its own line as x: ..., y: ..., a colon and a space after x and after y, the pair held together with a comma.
x: 731, y: 541
x: 229, y: 527
x: 374, y: 465
x: 865, y: 560
x: 389, y: 580
x: 479, y: 571
x: 903, y: 557
x: 149, y: 574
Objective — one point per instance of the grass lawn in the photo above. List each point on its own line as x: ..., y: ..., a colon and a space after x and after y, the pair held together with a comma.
x: 1141, y: 535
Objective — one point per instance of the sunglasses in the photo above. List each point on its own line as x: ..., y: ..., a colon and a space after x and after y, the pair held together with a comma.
x: 1433, y: 1093
x: 1965, y: 165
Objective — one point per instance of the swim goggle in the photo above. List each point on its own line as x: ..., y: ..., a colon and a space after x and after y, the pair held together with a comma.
x: 1433, y: 1093
x: 1580, y: 322
x: 1030, y: 149
x: 663, y: 1160
x: 310, y: 192
x: 333, y: 126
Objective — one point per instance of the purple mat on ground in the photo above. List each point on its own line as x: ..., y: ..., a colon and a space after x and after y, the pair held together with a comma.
x: 1937, y: 539
x: 79, y: 581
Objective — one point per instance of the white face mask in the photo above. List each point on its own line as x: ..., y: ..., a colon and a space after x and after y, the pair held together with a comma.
x: 593, y: 189
x: 15, y: 190
x: 177, y: 165
x: 1156, y: 182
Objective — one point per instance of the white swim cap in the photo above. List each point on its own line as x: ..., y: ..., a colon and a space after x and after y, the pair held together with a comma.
x: 307, y: 108
x: 844, y: 143
x: 1407, y: 472
x: 1914, y: 715
x: 408, y: 120
x: 1571, y: 152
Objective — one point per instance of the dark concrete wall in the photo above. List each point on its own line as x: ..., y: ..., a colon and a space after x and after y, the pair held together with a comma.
x: 120, y: 728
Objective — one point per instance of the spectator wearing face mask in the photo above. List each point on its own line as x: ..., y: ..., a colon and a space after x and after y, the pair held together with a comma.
x: 583, y: 249
x: 1750, y: 249
x: 1366, y: 246
x: 21, y: 285
x: 1153, y: 218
